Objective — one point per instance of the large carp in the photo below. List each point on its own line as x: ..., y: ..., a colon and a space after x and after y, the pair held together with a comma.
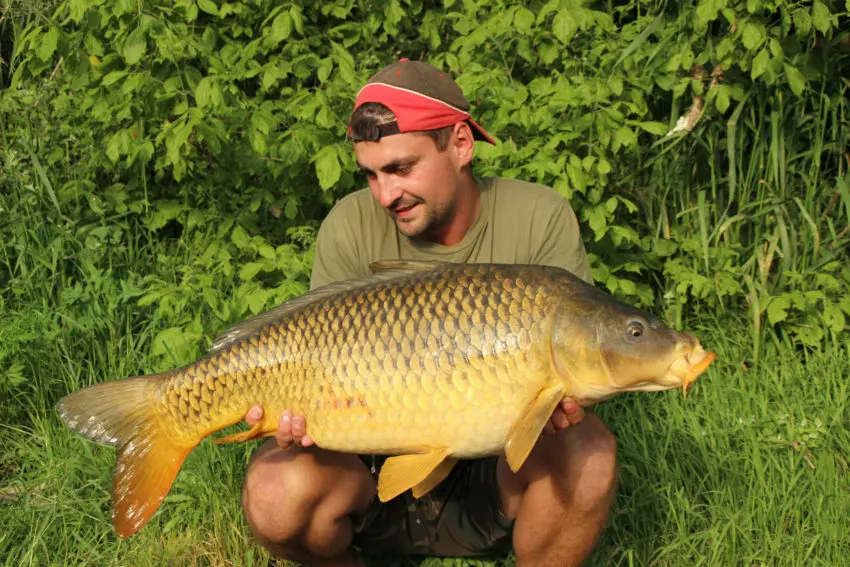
x: 428, y: 362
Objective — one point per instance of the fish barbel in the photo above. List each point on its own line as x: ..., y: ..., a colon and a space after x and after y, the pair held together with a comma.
x: 427, y: 362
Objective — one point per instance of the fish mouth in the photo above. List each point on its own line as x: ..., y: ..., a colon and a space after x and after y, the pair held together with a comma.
x: 689, y: 367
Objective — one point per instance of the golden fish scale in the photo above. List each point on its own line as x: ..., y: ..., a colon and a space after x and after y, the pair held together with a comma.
x: 453, y: 360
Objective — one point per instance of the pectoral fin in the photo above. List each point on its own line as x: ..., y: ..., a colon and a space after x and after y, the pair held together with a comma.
x: 527, y: 429
x: 259, y: 431
x: 406, y: 471
x: 437, y: 476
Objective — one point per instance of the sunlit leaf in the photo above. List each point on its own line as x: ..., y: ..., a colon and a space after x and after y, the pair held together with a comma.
x: 134, y: 47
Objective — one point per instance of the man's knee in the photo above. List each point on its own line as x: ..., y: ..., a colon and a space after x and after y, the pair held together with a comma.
x: 299, y: 500
x: 277, y: 496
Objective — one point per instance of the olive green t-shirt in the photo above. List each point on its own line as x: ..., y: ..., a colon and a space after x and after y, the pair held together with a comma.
x: 518, y: 223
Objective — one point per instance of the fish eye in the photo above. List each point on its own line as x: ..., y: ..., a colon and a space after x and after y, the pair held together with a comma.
x: 636, y: 329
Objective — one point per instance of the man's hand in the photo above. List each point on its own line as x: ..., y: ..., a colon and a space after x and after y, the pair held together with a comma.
x: 567, y: 413
x: 290, y: 429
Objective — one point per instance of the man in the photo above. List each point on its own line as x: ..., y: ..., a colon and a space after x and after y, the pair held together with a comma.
x: 414, y: 141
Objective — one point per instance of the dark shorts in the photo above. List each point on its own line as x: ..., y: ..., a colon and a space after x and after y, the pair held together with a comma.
x: 460, y: 517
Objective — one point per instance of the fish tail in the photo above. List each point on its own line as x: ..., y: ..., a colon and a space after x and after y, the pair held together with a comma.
x: 123, y: 413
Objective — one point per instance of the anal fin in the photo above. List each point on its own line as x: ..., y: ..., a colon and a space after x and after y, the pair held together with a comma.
x: 437, y: 476
x: 406, y: 471
x: 525, y: 432
x: 259, y: 431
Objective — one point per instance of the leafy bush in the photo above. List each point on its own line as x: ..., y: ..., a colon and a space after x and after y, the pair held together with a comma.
x: 703, y: 144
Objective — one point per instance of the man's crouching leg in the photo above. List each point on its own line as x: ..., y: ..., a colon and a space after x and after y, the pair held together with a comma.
x: 299, y: 502
x: 562, y: 495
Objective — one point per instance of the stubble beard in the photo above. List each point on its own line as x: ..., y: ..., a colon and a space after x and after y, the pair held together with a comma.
x: 427, y: 227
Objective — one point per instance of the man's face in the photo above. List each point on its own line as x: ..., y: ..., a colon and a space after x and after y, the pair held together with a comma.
x: 413, y: 181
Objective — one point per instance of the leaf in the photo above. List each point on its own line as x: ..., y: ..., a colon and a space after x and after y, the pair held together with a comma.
x: 258, y: 140
x: 753, y: 36
x: 777, y: 309
x: 603, y: 167
x: 795, y: 79
x: 77, y: 9
x: 281, y: 28
x: 325, y: 68
x: 627, y: 287
x: 267, y: 251
x: 821, y: 17
x: 257, y: 300
x: 328, y: 168
x: 597, y: 221
x: 706, y: 12
x: 208, y: 6
x: 113, y: 148
x: 809, y: 335
x: 548, y: 52
x: 760, y: 63
x: 297, y: 19
x: 833, y: 317
x: 240, y: 238
x: 624, y: 137
x: 616, y: 85
x: 578, y: 179
x: 249, y: 270
x: 48, y: 43
x: 662, y: 247
x: 344, y: 63
x: 564, y: 26
x: 523, y: 20
x: 722, y: 98
x: 134, y: 47
x: 112, y: 77
x: 802, y: 21
x: 657, y: 128
x: 202, y: 91
x: 168, y: 340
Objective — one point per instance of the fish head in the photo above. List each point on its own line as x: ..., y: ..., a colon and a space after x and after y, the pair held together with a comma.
x: 601, y: 348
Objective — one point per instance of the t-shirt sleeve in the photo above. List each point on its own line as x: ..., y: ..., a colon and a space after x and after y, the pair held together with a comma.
x: 561, y: 243
x: 336, y: 256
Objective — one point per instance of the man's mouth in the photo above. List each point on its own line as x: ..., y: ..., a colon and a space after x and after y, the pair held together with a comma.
x: 402, y: 212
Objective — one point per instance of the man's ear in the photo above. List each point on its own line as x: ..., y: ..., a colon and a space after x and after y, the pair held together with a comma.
x: 463, y: 143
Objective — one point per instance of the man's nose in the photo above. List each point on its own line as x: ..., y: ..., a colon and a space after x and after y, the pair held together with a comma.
x: 386, y: 190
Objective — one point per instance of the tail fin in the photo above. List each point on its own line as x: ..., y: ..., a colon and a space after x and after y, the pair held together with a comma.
x: 122, y: 413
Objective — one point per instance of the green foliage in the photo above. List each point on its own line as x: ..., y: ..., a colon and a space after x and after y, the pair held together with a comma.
x: 700, y: 143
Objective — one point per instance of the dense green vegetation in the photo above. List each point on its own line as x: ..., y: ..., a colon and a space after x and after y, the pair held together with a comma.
x: 164, y: 166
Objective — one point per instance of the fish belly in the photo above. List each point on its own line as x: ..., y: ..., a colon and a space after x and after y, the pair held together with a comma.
x: 468, y: 408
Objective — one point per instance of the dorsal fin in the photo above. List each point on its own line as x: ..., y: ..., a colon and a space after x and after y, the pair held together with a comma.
x: 405, y: 267
x: 385, y: 271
